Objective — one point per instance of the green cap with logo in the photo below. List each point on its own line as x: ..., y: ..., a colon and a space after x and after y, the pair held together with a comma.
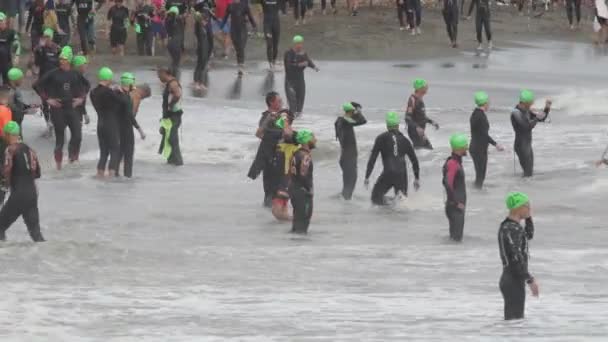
x: 516, y: 200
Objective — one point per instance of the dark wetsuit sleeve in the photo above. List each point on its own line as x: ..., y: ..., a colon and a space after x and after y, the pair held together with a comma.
x: 409, y: 150
x: 546, y: 111
x: 514, y: 242
x: 311, y: 64
x: 529, y: 228
x: 453, y: 168
x: 523, y: 122
x: 372, y: 158
x: 359, y: 119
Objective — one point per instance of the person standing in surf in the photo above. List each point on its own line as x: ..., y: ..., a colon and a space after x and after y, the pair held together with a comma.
x: 301, y: 187
x: 345, y: 134
x: 296, y: 60
x: 415, y: 116
x: 480, y: 138
x: 175, y: 30
x: 451, y: 17
x: 393, y: 146
x: 523, y: 120
x: 239, y: 12
x: 203, y: 51
x: 281, y: 164
x: 482, y: 21
x: 513, y: 246
x: 172, y: 118
x: 455, y: 186
x: 126, y: 123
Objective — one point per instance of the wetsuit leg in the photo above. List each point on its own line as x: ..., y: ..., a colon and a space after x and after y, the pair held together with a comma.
x: 31, y: 217
x: 176, y: 155
x: 417, y: 141
x: 290, y: 94
x: 140, y: 43
x: 91, y: 31
x: 411, y: 19
x: 269, y: 181
x: 302, y: 204
x: 400, y: 11
x: 323, y: 5
x: 514, y: 294
x: 276, y: 35
x: 478, y: 25
x: 268, y: 35
x: 486, y: 24
x: 75, y: 125
x: 104, y: 150
x: 348, y: 163
x: 59, y: 123
x: 300, y: 95
x: 448, y: 24
x: 577, y: 9
x: 383, y: 184
x: 569, y: 10
x: 10, y: 212
x: 4, y: 72
x: 526, y: 159
x: 456, y: 221
x: 127, y: 151
x: 175, y: 52
x: 418, y: 10
x: 480, y: 160
x: 82, y: 33
x: 236, y: 34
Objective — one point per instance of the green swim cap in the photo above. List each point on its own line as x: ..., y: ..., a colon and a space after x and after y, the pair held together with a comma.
x: 516, y: 200
x: 526, y: 96
x: 105, y: 74
x: 174, y: 10
x: 419, y: 83
x: 459, y: 141
x: 15, y: 74
x: 280, y: 123
x: 49, y: 33
x: 481, y: 98
x: 348, y: 107
x: 127, y: 79
x: 392, y: 119
x: 11, y: 128
x: 66, y: 53
x: 79, y: 61
x: 298, y: 39
x: 304, y: 136
x: 2, y: 16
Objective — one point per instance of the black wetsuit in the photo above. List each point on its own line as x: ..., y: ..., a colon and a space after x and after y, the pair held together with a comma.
x: 47, y: 59
x: 7, y: 38
x: 239, y: 13
x: 126, y: 123
x: 21, y: 169
x: 265, y: 154
x: 523, y: 122
x: 63, y: 86
x: 83, y: 8
x: 17, y: 106
x: 64, y: 13
x: 295, y: 85
x: 573, y: 6
x: 456, y: 191
x: 175, y: 115
x: 107, y: 104
x: 206, y: 7
x: 451, y: 17
x: 202, y: 52
x: 393, y: 146
x: 82, y: 109
x: 513, y: 247
x: 118, y: 32
x: 416, y: 117
x: 480, y: 139
x: 345, y: 134
x: 301, y: 191
x: 142, y: 17
x: 35, y: 21
x: 272, y: 29
x: 175, y: 31
x: 414, y: 13
x: 401, y: 11
x: 482, y: 18
x: 299, y: 9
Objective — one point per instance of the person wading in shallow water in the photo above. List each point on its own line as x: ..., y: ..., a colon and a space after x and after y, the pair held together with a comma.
x: 172, y: 118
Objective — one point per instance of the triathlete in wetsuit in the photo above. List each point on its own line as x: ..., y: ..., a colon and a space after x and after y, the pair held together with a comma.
x: 514, y: 254
x: 84, y: 21
x: 79, y: 64
x: 63, y: 90
x: 106, y: 102
x: 455, y: 187
x: 296, y: 60
x: 126, y: 122
x: 206, y: 8
x: 35, y: 21
x: 482, y: 20
x: 239, y: 12
x: 64, y: 20
x: 272, y: 30
x: 345, y: 134
x: 202, y: 50
x: 523, y: 120
x: 281, y: 166
x: 269, y: 135
x: 9, y: 41
x: 142, y: 20
x: 46, y: 58
x: 21, y: 169
x: 393, y: 146
x: 172, y: 118
x: 415, y: 116
x: 301, y: 187
x: 480, y: 138
x: 118, y: 16
x: 451, y: 16
x: 175, y: 30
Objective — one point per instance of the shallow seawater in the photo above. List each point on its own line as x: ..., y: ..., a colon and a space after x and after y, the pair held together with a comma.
x: 189, y: 254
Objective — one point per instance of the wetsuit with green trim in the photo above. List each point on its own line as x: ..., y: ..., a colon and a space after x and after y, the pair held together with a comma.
x: 513, y: 247
x: 295, y: 85
x: 239, y: 13
x: 64, y: 86
x: 523, y: 122
x: 21, y: 169
x: 393, y: 146
x: 107, y: 104
x: 416, y: 117
x: 482, y: 18
x: 480, y: 139
x: 301, y: 190
x: 456, y: 191
x: 345, y: 134
x: 172, y: 120
x: 9, y: 41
